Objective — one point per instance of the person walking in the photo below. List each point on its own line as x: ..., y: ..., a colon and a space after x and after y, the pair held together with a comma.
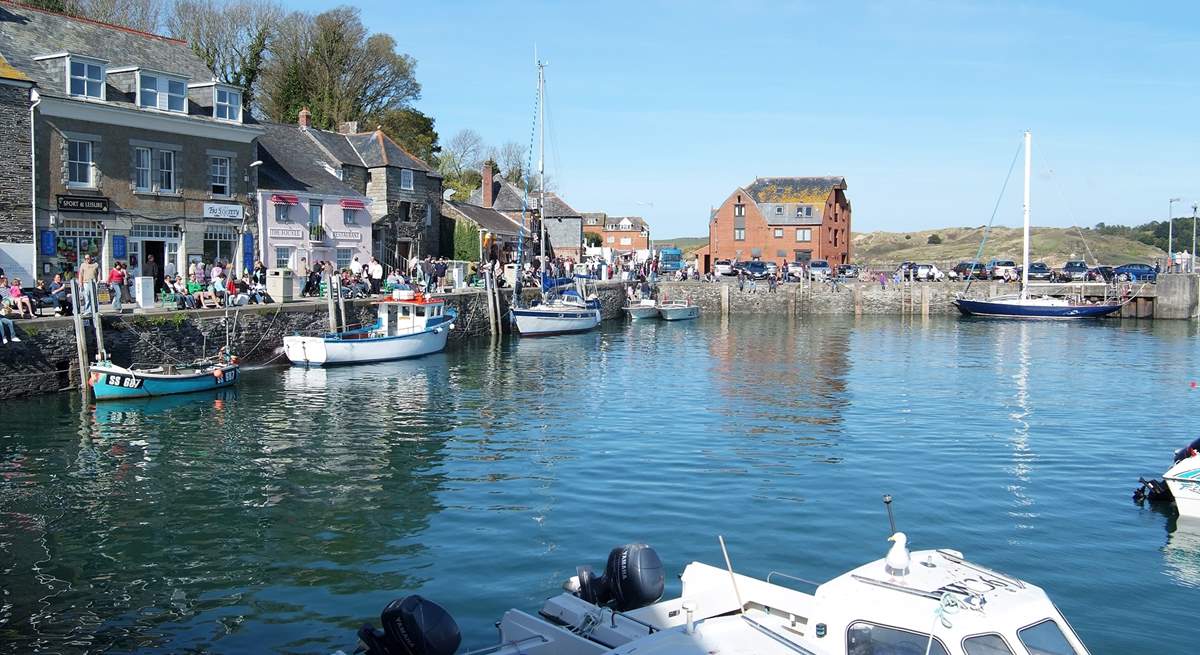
x: 89, y: 274
x: 150, y: 269
x: 741, y: 280
x: 116, y: 285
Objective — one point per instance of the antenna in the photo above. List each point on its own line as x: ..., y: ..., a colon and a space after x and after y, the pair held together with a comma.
x: 887, y: 502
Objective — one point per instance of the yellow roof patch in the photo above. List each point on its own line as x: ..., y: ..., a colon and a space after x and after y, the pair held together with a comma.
x: 7, y: 72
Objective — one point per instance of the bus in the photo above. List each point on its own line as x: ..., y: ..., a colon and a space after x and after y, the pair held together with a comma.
x: 670, y: 259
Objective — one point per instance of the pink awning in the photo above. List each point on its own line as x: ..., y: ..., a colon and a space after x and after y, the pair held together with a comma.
x: 281, y: 199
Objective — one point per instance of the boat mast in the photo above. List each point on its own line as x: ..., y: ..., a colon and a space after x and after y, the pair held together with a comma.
x: 1025, y: 247
x: 542, y: 161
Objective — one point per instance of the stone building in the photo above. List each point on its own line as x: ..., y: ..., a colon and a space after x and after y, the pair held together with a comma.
x: 16, y: 213
x: 564, y: 225
x: 782, y: 219
x: 138, y: 151
x: 405, y: 192
x: 483, y: 234
x: 307, y: 207
x: 623, y: 234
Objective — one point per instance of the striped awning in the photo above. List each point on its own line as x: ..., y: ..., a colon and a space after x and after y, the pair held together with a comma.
x: 281, y: 199
x: 352, y: 203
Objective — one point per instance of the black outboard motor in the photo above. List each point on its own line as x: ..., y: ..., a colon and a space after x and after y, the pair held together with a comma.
x: 632, y: 578
x: 411, y: 626
x: 1155, y: 491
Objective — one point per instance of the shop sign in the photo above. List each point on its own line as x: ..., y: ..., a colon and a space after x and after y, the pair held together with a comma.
x: 247, y: 250
x: 49, y: 243
x: 285, y: 233
x: 83, y: 204
x: 217, y: 210
x: 119, y: 250
x: 349, y: 235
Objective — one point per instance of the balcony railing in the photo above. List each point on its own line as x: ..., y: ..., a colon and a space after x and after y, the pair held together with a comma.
x: 316, y: 232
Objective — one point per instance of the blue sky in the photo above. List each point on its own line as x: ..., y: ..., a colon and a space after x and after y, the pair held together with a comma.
x: 662, y: 108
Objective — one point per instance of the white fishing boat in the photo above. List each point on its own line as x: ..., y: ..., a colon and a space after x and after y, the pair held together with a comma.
x: 406, y: 327
x: 645, y: 308
x: 932, y: 602
x: 1183, y: 479
x: 678, y: 310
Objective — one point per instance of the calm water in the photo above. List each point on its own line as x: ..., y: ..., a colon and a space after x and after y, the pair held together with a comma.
x: 281, y: 517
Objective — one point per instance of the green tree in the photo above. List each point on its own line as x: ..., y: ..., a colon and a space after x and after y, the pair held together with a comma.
x: 934, y: 239
x: 411, y: 129
x: 592, y: 239
x: 466, y: 241
x: 231, y: 36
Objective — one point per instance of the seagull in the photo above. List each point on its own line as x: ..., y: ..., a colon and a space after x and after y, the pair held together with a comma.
x: 896, y: 563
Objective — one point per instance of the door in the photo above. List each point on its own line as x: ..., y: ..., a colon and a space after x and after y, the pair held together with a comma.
x: 157, y: 250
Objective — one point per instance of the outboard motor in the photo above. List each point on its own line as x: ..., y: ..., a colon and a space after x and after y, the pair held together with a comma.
x: 1155, y: 491
x: 411, y: 626
x: 633, y: 578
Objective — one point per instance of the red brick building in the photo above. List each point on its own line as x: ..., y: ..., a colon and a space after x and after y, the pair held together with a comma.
x: 621, y: 233
x: 782, y: 219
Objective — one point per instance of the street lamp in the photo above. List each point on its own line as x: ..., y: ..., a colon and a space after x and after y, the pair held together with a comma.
x: 1192, y: 263
x: 1171, y: 234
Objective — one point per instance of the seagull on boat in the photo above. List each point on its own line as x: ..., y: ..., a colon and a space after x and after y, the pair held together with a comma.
x: 896, y: 563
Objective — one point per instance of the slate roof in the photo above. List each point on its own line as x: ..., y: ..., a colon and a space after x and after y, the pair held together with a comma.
x: 7, y: 72
x: 377, y: 149
x: 26, y: 33
x: 292, y: 162
x: 337, y: 145
x: 638, y: 222
x: 509, y: 198
x: 778, y: 197
x: 488, y: 219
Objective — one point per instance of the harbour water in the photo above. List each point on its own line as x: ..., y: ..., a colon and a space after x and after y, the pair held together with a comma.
x: 280, y: 516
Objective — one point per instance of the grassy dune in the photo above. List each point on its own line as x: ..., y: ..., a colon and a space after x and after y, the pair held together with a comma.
x: 1052, y: 245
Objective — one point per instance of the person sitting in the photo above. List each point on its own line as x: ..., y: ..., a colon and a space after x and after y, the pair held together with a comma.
x: 183, y: 294
x: 18, y: 300
x: 58, y: 295
x: 235, y: 297
x: 8, y: 332
x: 312, y: 285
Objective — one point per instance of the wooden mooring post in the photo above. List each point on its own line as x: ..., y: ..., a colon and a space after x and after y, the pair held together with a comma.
x: 80, y: 342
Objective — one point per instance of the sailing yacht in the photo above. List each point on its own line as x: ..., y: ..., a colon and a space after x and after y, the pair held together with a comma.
x: 1023, y: 305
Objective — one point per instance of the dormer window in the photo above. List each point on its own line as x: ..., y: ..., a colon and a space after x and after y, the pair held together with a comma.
x: 86, y: 77
x: 227, y: 105
x: 162, y: 92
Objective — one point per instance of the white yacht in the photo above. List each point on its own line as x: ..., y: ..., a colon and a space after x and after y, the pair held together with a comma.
x: 928, y: 602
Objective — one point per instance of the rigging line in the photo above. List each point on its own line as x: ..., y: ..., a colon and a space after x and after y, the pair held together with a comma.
x: 1070, y: 216
x: 999, y: 199
x: 525, y: 200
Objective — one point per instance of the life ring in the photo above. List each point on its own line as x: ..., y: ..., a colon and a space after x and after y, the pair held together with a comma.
x: 218, y: 373
x: 93, y: 378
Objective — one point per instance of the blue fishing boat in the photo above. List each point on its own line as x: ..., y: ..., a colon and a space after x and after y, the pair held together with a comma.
x: 112, y: 382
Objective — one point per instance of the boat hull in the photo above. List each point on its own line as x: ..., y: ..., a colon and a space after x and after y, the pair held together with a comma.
x: 679, y: 313
x: 640, y: 312
x: 538, y: 322
x: 992, y: 309
x: 332, y: 350
x: 1184, y: 481
x: 114, y: 383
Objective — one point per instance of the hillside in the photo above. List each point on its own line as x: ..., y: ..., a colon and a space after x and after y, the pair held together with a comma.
x: 1049, y: 244
x: 686, y: 244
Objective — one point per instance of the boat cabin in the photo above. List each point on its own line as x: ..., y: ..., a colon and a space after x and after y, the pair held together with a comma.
x: 399, y: 317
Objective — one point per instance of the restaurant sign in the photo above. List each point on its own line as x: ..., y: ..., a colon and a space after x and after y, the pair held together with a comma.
x: 83, y: 204
x: 349, y: 235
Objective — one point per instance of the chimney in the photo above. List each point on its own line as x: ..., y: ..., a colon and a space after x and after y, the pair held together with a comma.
x: 349, y: 127
x: 489, y: 190
x: 305, y: 118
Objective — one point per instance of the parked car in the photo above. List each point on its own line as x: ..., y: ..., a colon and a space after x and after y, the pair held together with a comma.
x: 1038, y: 271
x: 772, y: 268
x: 997, y: 269
x: 848, y: 271
x: 1075, y: 270
x: 756, y: 269
x: 927, y: 273
x: 795, y: 270
x: 1136, y: 273
x: 723, y: 267
x: 969, y: 270
x: 1100, y: 274
x: 818, y: 269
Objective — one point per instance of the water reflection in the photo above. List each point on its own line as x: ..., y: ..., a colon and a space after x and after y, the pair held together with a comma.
x: 1181, y: 553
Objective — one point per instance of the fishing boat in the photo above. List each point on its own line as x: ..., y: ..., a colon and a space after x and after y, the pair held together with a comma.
x: 560, y: 312
x: 407, y: 325
x: 678, y: 310
x: 1023, y: 305
x: 112, y: 382
x: 645, y: 308
x: 1183, y: 479
x: 924, y: 602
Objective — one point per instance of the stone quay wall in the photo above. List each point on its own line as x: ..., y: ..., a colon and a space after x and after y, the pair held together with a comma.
x: 794, y: 299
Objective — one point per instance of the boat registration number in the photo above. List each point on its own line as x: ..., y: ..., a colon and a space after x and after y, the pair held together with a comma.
x: 229, y: 377
x: 124, y: 381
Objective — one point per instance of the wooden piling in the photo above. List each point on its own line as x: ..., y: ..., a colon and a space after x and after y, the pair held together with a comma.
x: 858, y: 298
x: 329, y: 303
x: 924, y: 301
x: 341, y: 304
x: 97, y: 326
x: 725, y: 299
x: 80, y: 343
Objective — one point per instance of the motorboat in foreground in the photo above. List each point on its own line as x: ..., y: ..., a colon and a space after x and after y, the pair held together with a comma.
x: 408, y: 325
x: 1183, y: 479
x: 677, y: 310
x: 568, y: 312
x: 926, y: 602
x: 112, y: 382
x: 645, y: 308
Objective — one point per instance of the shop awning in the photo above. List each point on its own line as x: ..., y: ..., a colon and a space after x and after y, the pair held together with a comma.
x: 351, y: 203
x: 281, y: 199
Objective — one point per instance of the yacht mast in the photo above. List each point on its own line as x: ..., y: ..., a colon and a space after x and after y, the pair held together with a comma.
x: 542, y: 161
x: 1025, y: 247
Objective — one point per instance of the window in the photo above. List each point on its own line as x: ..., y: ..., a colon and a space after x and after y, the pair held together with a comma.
x: 176, y: 96
x: 778, y: 233
x: 739, y: 234
x: 316, y: 231
x: 406, y: 179
x: 148, y: 91
x: 610, y: 240
x: 344, y: 255
x: 161, y: 93
x: 79, y: 164
x: 428, y: 214
x: 863, y: 637
x: 281, y: 213
x: 283, y: 257
x: 166, y: 171
x: 779, y: 210
x: 1045, y: 638
x: 218, y: 176
x: 348, y: 217
x: 986, y: 645
x: 739, y: 210
x: 803, y: 234
x: 141, y: 169
x: 626, y: 241
x: 219, y: 243
x: 228, y: 105
x: 87, y: 79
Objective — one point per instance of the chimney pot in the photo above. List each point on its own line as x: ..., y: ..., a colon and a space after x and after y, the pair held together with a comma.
x: 489, y: 188
x: 349, y: 127
x: 305, y: 118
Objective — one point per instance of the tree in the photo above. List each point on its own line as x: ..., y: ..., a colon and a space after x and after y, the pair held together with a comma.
x: 232, y: 37
x: 512, y: 157
x: 143, y: 15
x: 412, y: 129
x: 68, y: 7
x: 461, y: 153
x: 592, y: 239
x: 934, y: 239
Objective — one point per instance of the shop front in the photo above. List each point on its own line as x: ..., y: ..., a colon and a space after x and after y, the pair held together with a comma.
x: 297, y: 231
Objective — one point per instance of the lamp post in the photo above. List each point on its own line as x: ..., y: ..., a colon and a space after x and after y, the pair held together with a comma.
x: 1192, y: 262
x: 1171, y: 235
